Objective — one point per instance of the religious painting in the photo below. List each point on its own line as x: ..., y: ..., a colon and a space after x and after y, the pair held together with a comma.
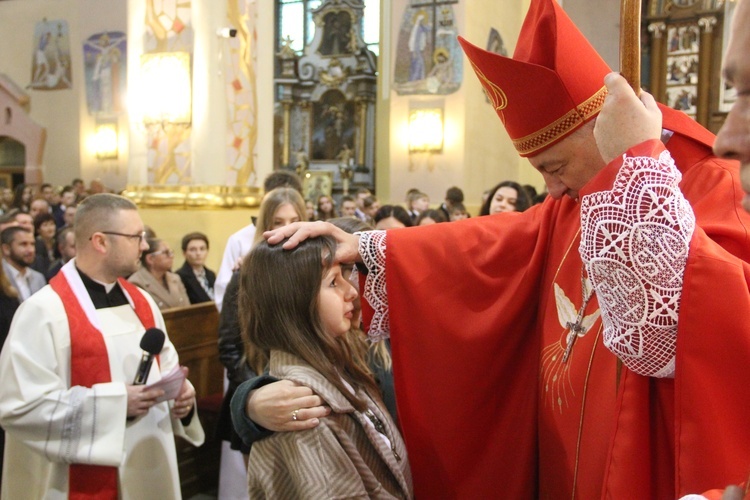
x: 495, y: 43
x: 50, y: 68
x: 428, y: 58
x: 683, y: 45
x: 683, y: 98
x: 333, y: 125
x: 6, y: 181
x: 317, y: 183
x: 337, y: 38
x: 104, y: 62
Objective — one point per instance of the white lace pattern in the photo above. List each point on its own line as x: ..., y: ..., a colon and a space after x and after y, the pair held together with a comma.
x: 372, y: 250
x: 634, y: 244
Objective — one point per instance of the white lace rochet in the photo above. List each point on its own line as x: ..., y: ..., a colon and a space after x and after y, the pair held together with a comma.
x: 372, y: 250
x: 634, y: 244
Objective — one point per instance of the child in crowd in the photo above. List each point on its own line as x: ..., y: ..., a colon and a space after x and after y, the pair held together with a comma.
x: 458, y: 212
x: 298, y: 305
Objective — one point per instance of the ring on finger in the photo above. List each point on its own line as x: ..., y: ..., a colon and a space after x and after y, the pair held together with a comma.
x: 294, y: 415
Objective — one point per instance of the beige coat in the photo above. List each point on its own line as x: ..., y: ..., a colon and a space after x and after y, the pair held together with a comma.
x: 176, y: 296
x: 343, y: 457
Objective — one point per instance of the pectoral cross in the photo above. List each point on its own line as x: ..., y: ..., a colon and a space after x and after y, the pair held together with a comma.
x: 576, y: 329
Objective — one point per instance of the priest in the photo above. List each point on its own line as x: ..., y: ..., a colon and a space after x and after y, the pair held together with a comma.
x: 76, y: 425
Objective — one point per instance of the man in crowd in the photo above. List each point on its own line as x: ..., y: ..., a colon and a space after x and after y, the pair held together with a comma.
x: 39, y: 206
x: 614, y: 372
x: 67, y: 199
x: 76, y: 425
x: 361, y: 195
x: 19, y: 252
x: 65, y: 239
x: 348, y: 206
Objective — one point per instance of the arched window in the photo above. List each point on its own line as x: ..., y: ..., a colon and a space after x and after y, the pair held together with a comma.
x: 294, y: 20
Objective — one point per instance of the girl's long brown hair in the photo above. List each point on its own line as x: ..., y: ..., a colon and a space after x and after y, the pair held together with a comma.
x: 278, y: 305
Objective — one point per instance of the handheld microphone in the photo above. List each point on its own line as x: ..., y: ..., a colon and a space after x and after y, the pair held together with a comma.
x: 151, y: 343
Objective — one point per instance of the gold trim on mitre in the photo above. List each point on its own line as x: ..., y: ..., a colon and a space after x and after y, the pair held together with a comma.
x: 495, y: 93
x: 570, y: 120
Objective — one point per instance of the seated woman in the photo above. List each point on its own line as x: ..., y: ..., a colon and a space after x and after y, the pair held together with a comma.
x: 431, y: 217
x: 44, y: 229
x: 154, y: 276
x: 508, y: 196
x: 197, y: 278
x: 298, y: 306
x: 391, y: 216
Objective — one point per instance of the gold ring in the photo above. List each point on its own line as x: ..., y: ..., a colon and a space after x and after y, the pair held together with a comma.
x: 294, y: 415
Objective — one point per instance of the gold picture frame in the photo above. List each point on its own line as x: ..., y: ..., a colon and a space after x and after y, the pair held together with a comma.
x: 6, y: 181
x: 317, y: 183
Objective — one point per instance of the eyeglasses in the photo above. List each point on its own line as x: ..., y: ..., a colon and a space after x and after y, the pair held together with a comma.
x: 141, y: 236
x: 168, y: 253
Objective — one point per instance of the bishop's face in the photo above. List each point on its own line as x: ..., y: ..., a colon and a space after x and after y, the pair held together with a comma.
x: 568, y: 165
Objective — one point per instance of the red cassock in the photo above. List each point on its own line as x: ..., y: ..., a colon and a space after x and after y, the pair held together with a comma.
x: 489, y: 409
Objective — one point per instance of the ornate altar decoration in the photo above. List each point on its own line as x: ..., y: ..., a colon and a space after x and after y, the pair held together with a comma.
x: 325, y: 114
x: 684, y: 43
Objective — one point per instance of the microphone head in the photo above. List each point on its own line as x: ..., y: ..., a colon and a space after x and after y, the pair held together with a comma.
x: 153, y: 341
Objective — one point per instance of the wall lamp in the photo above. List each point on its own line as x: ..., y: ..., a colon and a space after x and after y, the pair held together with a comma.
x: 105, y: 140
x: 426, y: 130
x: 165, y: 95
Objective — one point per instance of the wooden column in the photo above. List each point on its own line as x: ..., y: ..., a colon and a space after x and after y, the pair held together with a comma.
x: 706, y: 25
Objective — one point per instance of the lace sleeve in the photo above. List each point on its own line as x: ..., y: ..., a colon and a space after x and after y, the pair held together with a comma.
x: 372, y: 250
x: 634, y: 244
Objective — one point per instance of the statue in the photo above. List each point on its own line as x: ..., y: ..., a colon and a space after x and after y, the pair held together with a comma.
x: 302, y: 163
x: 346, y: 162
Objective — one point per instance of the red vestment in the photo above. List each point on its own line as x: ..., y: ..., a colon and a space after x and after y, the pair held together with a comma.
x: 489, y: 409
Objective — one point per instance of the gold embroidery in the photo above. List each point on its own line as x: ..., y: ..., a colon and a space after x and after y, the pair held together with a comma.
x: 495, y: 93
x: 542, y: 138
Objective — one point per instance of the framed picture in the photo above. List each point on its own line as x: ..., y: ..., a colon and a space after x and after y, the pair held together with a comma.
x: 6, y: 181
x: 317, y: 183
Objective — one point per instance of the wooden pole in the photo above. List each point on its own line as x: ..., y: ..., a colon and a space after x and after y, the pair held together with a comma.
x: 630, y: 42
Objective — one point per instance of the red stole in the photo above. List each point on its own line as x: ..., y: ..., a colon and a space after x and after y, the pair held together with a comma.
x: 89, y: 365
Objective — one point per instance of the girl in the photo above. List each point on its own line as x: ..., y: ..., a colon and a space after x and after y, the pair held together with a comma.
x: 297, y: 305
x: 508, y: 196
x: 243, y: 360
x: 326, y: 208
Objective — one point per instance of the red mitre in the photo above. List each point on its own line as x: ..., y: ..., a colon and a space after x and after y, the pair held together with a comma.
x: 551, y: 86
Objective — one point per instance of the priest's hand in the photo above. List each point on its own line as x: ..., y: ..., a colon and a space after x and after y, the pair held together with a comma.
x: 347, y: 244
x: 184, y: 403
x: 285, y: 406
x: 625, y: 120
x: 140, y: 399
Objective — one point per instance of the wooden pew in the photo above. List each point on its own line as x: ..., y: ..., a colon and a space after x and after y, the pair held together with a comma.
x: 194, y: 332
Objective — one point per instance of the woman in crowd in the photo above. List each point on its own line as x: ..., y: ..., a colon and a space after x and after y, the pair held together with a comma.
x: 154, y: 276
x: 197, y: 278
x: 508, y: 196
x: 391, y: 216
x: 298, y: 306
x: 431, y: 217
x: 325, y: 208
x: 44, y: 230
x: 22, y: 197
